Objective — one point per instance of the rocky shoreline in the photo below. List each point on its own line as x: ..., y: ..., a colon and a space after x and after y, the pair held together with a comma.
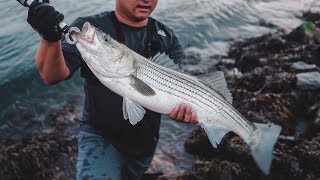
x: 278, y: 81
x: 48, y: 152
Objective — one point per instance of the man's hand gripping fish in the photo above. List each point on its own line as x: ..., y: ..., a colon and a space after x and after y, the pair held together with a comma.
x: 157, y: 85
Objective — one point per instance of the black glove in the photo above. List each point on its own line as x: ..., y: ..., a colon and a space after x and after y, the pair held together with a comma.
x: 45, y: 20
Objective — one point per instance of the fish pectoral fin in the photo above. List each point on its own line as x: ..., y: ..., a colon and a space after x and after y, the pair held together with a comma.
x: 165, y: 60
x: 217, y: 82
x: 132, y: 111
x: 215, y: 134
x: 141, y: 87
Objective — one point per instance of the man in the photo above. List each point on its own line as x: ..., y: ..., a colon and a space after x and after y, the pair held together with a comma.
x: 108, y: 145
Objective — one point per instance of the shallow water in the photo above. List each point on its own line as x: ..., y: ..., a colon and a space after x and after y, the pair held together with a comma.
x: 204, y: 26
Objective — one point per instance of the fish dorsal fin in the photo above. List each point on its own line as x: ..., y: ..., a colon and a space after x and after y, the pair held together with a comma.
x: 215, y: 134
x: 217, y: 82
x: 141, y: 87
x: 132, y: 111
x: 165, y: 60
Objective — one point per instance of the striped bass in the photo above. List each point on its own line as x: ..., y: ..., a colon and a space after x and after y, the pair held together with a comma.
x: 156, y: 84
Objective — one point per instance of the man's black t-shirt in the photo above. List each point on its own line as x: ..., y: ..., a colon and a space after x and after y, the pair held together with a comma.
x: 102, y: 111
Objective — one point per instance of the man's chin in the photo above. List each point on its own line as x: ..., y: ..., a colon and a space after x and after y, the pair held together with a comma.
x: 140, y: 18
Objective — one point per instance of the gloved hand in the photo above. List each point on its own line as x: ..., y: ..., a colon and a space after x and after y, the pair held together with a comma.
x: 45, y: 20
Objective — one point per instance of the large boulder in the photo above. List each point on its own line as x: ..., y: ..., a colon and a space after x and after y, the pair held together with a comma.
x: 308, y: 81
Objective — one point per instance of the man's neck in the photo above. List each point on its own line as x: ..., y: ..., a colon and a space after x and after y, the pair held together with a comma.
x: 125, y: 20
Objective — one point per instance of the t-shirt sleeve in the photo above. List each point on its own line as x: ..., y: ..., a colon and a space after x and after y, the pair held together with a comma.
x: 175, y: 52
x: 71, y: 54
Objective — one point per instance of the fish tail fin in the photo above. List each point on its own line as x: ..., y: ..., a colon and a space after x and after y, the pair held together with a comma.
x: 263, y: 144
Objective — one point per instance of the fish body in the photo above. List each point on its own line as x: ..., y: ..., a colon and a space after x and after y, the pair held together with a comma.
x: 156, y: 84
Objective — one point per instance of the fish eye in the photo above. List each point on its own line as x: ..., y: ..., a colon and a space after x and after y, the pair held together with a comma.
x: 107, y: 38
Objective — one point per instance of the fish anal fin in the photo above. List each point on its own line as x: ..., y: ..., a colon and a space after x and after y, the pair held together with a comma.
x: 217, y: 82
x: 132, y: 111
x: 215, y: 134
x: 142, y: 87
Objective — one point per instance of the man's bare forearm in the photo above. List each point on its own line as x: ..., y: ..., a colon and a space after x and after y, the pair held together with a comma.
x: 50, y: 62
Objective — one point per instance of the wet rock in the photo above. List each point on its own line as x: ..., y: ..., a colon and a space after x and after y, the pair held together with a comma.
x: 275, y: 44
x: 151, y: 176
x: 308, y: 154
x: 302, y: 66
x: 267, y: 108
x: 316, y: 122
x: 214, y: 170
x: 308, y: 32
x: 308, y: 81
x: 297, y: 159
x: 248, y: 62
x: 227, y: 162
x: 315, y: 56
x: 298, y: 35
x: 280, y: 82
x: 306, y: 103
x: 317, y: 118
x: 311, y: 16
x: 314, y: 117
x: 198, y: 143
x: 252, y: 81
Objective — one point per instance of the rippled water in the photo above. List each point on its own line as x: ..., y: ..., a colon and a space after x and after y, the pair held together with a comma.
x: 204, y: 26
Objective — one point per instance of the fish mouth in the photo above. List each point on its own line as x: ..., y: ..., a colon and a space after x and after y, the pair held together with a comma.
x: 88, y: 32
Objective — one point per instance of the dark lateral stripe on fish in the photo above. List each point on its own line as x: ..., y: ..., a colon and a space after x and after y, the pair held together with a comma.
x: 199, y: 88
x: 203, y: 92
x: 181, y: 84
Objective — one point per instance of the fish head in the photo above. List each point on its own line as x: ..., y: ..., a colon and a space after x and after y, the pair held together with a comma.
x: 113, y: 59
x: 87, y: 40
